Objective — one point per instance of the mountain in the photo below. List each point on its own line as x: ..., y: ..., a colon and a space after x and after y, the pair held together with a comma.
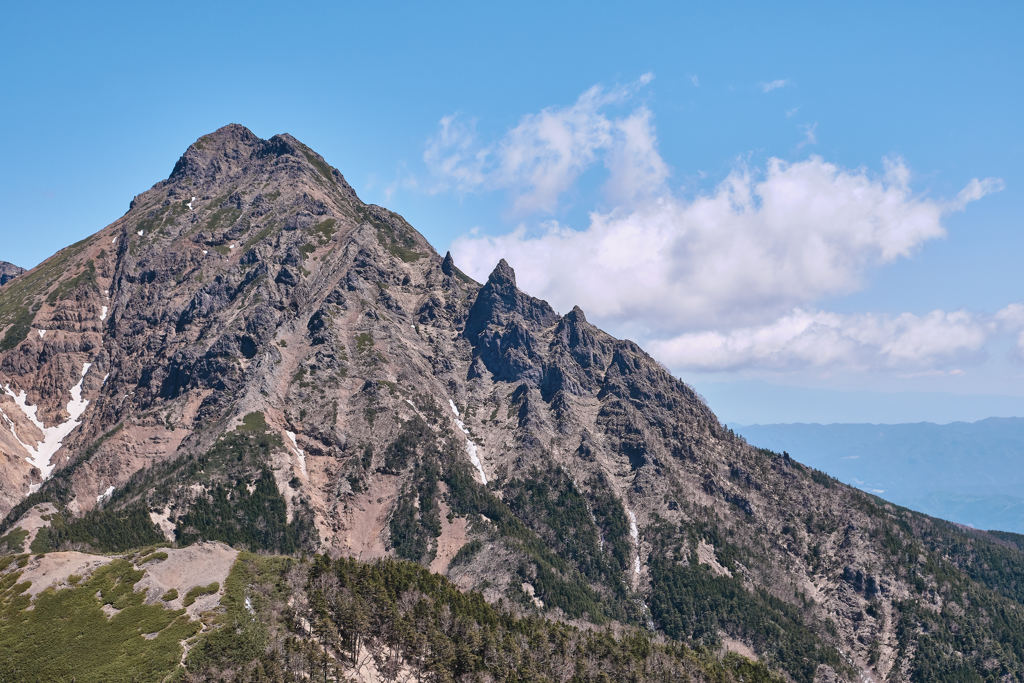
x: 8, y: 271
x: 252, y: 355
x: 969, y: 472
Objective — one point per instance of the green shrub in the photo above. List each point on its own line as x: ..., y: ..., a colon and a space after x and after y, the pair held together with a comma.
x: 198, y: 591
x: 157, y: 556
x: 14, y: 540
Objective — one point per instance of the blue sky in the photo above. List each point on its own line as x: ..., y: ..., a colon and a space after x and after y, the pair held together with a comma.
x: 810, y: 213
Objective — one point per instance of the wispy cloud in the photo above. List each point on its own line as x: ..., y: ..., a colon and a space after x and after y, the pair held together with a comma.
x: 810, y: 131
x: 542, y: 156
x: 775, y: 85
x: 975, y: 190
x: 1011, y: 319
x: 695, y: 80
x: 818, y: 339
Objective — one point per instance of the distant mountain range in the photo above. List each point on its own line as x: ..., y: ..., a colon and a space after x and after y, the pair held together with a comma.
x: 967, y: 472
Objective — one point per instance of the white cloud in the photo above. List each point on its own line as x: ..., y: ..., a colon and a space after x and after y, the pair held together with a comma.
x: 635, y: 167
x: 542, y: 156
x: 1011, y: 319
x: 975, y: 190
x: 810, y: 131
x: 775, y: 85
x: 760, y: 244
x: 695, y: 80
x: 817, y: 339
x: 453, y: 153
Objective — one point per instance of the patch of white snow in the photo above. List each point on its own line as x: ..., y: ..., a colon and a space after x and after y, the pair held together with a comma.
x: 299, y: 452
x: 106, y: 494
x: 471, y: 448
x: 42, y: 333
x: 411, y: 403
x: 140, y: 233
x: 103, y: 313
x: 190, y: 203
x: 248, y: 602
x: 41, y: 455
x: 634, y: 535
x: 205, y: 252
x: 475, y: 459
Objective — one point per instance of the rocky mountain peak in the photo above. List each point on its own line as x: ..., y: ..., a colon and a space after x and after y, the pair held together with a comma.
x: 576, y: 316
x: 253, y: 355
x: 233, y: 154
x: 448, y: 264
x: 502, y: 276
x: 9, y: 271
x: 499, y: 301
x: 232, y: 144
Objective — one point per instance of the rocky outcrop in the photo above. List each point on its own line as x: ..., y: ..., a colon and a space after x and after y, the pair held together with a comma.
x: 8, y: 271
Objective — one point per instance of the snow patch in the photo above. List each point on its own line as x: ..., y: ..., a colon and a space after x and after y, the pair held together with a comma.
x: 103, y: 313
x: 474, y: 458
x: 140, y: 233
x: 106, y: 494
x: 42, y: 333
x: 231, y: 246
x: 411, y: 403
x: 190, y: 203
x: 634, y: 535
x: 205, y: 252
x: 471, y: 448
x: 248, y: 602
x: 299, y: 452
x: 41, y: 455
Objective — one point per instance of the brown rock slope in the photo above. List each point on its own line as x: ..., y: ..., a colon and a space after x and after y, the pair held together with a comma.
x: 253, y: 355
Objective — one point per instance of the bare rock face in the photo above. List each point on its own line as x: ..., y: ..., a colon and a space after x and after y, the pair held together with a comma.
x: 8, y: 271
x: 253, y: 355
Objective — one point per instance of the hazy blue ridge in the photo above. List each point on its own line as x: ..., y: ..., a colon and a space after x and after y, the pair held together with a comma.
x: 966, y: 472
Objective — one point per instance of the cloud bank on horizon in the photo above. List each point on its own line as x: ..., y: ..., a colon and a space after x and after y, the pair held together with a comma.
x: 727, y: 279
